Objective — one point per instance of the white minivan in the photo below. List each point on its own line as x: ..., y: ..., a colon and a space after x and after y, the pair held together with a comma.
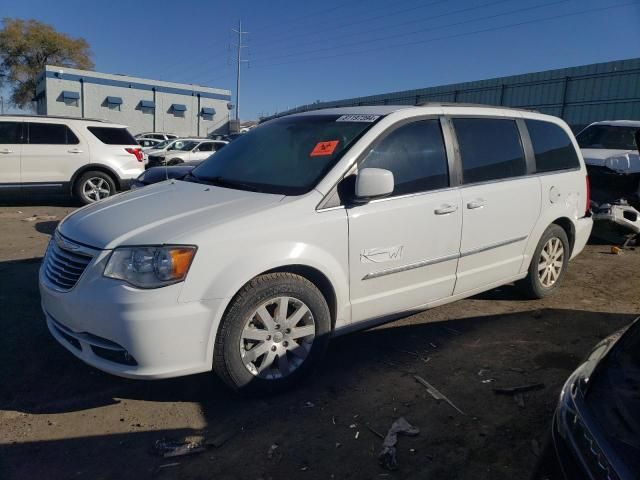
x: 312, y: 225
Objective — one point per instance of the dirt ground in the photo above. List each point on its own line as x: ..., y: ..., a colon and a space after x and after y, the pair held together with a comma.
x: 61, y: 419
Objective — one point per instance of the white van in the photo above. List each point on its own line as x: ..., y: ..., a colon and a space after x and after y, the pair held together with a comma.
x: 90, y: 158
x: 312, y: 225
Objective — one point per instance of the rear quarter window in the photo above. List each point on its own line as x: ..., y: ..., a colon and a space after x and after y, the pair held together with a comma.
x: 552, y: 146
x: 113, y: 135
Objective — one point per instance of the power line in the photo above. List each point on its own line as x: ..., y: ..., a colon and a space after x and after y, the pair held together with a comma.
x: 424, y: 30
x: 447, y: 37
x: 349, y: 24
x: 395, y: 25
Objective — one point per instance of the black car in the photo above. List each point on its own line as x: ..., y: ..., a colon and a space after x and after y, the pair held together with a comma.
x: 159, y: 174
x: 596, y: 426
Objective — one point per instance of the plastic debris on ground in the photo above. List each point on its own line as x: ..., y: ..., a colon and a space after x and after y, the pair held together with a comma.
x: 388, y: 455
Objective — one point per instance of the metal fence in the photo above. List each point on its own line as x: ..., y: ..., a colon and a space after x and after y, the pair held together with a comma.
x: 579, y: 95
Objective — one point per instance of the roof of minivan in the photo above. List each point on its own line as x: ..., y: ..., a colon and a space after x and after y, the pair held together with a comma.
x: 387, y: 109
x: 60, y: 118
x: 619, y: 123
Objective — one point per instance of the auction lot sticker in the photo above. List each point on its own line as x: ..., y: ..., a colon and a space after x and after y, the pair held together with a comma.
x: 324, y: 148
x: 358, y: 118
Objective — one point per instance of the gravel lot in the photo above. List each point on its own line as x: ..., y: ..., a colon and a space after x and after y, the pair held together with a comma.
x: 62, y: 419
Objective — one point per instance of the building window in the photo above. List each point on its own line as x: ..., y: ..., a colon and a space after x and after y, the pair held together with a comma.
x: 147, y: 106
x: 113, y: 103
x: 69, y: 98
x: 178, y: 109
x: 208, y: 113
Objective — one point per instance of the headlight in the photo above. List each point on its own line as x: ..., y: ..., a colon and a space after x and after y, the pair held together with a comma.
x: 150, y: 267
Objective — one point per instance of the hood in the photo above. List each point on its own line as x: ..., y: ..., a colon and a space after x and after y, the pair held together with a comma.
x: 597, y: 156
x: 160, y: 213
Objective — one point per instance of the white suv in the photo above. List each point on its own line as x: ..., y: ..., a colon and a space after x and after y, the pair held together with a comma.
x: 312, y: 225
x: 90, y: 158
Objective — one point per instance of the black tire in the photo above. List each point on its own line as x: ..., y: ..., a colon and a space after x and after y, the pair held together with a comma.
x: 228, y: 362
x: 175, y: 161
x: 532, y: 285
x: 106, y: 183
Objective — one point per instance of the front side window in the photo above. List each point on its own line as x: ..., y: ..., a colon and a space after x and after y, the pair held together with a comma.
x: 490, y: 149
x: 289, y: 155
x: 51, y: 134
x: 415, y: 154
x: 113, y: 135
x: 10, y: 133
x: 610, y: 137
x: 552, y: 147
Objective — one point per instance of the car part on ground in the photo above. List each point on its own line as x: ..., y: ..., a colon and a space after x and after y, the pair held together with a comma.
x: 596, y: 426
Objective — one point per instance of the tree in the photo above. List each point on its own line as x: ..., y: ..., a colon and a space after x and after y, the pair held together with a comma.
x: 26, y: 46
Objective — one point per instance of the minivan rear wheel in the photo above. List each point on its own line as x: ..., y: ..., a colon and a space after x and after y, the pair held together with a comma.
x: 275, y: 331
x: 93, y: 186
x: 549, y: 263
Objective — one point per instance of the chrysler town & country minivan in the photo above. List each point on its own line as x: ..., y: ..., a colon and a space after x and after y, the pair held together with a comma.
x: 312, y: 225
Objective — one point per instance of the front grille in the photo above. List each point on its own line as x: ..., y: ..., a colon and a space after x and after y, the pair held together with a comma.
x: 62, y: 267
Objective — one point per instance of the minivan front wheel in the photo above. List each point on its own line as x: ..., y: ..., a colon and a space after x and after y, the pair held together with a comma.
x: 276, y: 329
x: 549, y: 263
x: 94, y: 186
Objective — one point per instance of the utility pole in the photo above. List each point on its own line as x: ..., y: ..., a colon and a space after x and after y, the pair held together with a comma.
x: 1, y: 105
x: 240, y: 61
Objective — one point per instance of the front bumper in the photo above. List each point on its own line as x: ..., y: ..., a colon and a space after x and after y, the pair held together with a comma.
x: 129, y: 332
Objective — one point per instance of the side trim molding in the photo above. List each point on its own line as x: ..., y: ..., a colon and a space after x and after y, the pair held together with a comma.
x: 426, y: 263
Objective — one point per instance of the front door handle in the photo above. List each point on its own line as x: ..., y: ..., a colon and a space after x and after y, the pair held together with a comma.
x: 6, y: 150
x: 477, y: 203
x: 75, y: 150
x: 445, y: 209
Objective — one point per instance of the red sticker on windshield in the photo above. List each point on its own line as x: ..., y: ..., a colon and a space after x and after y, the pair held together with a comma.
x: 324, y: 148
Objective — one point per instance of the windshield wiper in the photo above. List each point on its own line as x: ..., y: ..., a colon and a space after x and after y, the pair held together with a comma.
x: 225, y: 182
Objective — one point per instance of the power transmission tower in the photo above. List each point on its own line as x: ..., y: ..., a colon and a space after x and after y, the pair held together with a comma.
x: 240, y: 61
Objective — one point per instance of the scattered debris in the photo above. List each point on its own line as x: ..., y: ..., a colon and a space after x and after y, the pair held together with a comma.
x: 172, y: 448
x: 34, y: 218
x: 535, y: 447
x: 435, y: 393
x: 518, y: 389
x: 333, y: 420
x: 488, y: 380
x: 353, y: 425
x: 387, y: 457
x: 482, y: 371
x: 221, y: 439
x: 309, y: 405
x: 375, y: 432
x: 167, y: 465
x: 357, y: 435
x: 615, y: 250
x: 433, y: 345
x: 272, y: 450
x: 338, y: 444
x: 304, y: 468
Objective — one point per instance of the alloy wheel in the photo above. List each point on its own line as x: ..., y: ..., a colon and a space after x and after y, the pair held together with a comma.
x: 277, y: 338
x: 551, y: 262
x: 96, y: 188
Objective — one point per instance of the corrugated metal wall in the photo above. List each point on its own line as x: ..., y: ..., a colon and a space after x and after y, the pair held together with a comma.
x: 580, y: 95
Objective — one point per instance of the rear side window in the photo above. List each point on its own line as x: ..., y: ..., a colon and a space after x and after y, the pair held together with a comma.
x: 206, y: 147
x: 51, y: 134
x: 113, y: 136
x: 552, y: 147
x: 416, y: 155
x: 10, y: 132
x: 490, y: 148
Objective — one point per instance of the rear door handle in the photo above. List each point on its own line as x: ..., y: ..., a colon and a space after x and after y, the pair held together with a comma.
x: 75, y: 150
x: 445, y: 209
x: 6, y: 150
x: 478, y: 203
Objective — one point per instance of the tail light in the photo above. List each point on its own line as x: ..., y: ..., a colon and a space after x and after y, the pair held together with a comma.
x: 587, y: 207
x: 137, y: 152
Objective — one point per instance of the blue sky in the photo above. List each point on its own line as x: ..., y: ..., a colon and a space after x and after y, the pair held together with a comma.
x: 302, y: 51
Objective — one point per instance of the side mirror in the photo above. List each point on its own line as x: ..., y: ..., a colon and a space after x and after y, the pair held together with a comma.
x: 373, y: 183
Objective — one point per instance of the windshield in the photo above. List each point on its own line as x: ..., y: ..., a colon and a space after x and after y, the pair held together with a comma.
x: 176, y: 145
x: 286, y: 156
x: 608, y: 137
x: 162, y: 144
